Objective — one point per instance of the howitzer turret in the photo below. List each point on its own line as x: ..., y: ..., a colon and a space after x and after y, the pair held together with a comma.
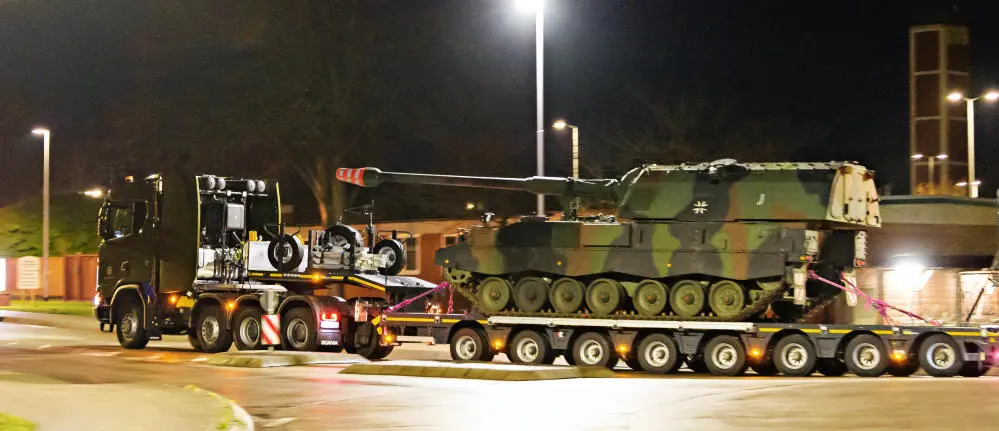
x: 709, y: 241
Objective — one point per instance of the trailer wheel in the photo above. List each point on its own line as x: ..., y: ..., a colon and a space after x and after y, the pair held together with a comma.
x: 904, y: 369
x: 725, y: 356
x: 131, y: 330
x: 764, y: 368
x: 658, y: 353
x: 210, y: 327
x: 530, y: 347
x: 973, y: 369
x: 866, y: 356
x: 298, y: 330
x: 795, y: 356
x: 696, y: 364
x: 594, y: 349
x: 395, y: 255
x: 830, y: 367
x: 247, y: 332
x: 940, y: 356
x: 470, y: 344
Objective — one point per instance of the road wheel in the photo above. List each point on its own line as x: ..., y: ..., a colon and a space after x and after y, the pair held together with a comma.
x: 725, y: 356
x: 567, y: 295
x: 632, y: 362
x: 247, y: 333
x: 593, y: 349
x: 795, y: 356
x: 765, y: 367
x: 830, y: 367
x: 604, y: 296
x: 210, y: 327
x: 470, y: 344
x: 370, y: 349
x: 530, y: 294
x: 687, y: 298
x: 904, y: 369
x: 658, y: 353
x: 192, y: 337
x: 530, y: 347
x: 130, y: 327
x: 973, y: 369
x: 395, y: 256
x: 650, y: 298
x: 866, y: 356
x: 726, y: 299
x: 298, y: 330
x: 940, y: 356
x: 494, y: 294
x: 696, y: 364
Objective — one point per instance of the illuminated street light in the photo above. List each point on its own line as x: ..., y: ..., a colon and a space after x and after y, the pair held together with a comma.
x: 538, y: 8
x: 469, y: 206
x: 931, y: 162
x: 990, y: 96
x: 528, y: 6
x: 561, y: 125
x: 95, y: 193
x: 46, y: 135
x: 917, y: 156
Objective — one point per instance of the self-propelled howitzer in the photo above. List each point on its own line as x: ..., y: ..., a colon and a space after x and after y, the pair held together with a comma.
x: 708, y: 241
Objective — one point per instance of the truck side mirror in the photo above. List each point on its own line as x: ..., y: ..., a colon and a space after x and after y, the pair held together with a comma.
x: 103, y: 224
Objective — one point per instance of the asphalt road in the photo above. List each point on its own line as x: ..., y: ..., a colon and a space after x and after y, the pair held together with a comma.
x: 317, y: 397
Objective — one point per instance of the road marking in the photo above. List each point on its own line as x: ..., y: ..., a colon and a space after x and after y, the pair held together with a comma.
x: 200, y: 359
x: 44, y: 346
x: 278, y: 422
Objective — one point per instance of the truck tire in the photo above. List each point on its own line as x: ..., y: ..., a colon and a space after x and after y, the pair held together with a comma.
x: 210, y: 327
x: 192, y: 338
x: 724, y: 355
x: 765, y: 367
x: 940, y: 356
x: 130, y: 328
x: 246, y: 330
x: 287, y: 244
x: 470, y: 345
x: 341, y: 235
x: 696, y: 364
x: 530, y: 347
x: 905, y: 369
x: 658, y: 353
x: 866, y: 356
x: 594, y: 349
x: 298, y: 330
x: 395, y: 254
x: 973, y: 369
x: 795, y: 356
x: 830, y: 367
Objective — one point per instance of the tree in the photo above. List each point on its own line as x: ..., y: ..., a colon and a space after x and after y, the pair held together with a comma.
x: 72, y: 225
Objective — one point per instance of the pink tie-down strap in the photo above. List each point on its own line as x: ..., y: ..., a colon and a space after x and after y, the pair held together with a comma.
x: 879, y: 305
x: 442, y: 285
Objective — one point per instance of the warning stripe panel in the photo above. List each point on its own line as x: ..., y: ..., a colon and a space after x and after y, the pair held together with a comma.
x: 269, y: 325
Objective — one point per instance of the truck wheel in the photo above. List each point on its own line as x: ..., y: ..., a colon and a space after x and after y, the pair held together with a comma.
x: 530, y: 347
x: 764, y: 368
x: 343, y: 236
x: 973, y: 369
x: 696, y: 364
x: 291, y: 254
x: 470, y: 344
x: 940, y: 356
x: 298, y: 330
x: 725, y: 356
x: 830, y: 367
x: 795, y: 356
x: 247, y: 332
x: 192, y: 338
x: 866, y: 356
x: 904, y: 369
x: 210, y: 326
x: 657, y: 353
x: 395, y: 256
x: 130, y: 327
x: 594, y: 349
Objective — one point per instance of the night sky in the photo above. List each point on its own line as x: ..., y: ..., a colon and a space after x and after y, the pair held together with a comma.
x: 841, y: 65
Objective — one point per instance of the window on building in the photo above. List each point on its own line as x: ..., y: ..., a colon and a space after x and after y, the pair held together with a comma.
x: 450, y: 240
x: 412, y: 255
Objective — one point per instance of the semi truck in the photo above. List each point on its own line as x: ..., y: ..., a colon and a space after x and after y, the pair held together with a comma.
x: 208, y: 256
x: 720, y: 267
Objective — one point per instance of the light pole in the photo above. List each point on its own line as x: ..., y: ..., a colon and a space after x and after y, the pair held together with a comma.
x: 561, y: 125
x: 538, y: 7
x: 991, y: 96
x: 46, y: 135
x: 915, y: 162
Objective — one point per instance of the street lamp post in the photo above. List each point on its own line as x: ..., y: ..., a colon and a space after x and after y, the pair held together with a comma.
x: 561, y: 125
x: 930, y: 161
x: 46, y: 135
x: 538, y: 7
x: 991, y: 96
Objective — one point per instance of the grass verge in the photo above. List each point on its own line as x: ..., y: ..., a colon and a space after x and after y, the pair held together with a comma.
x: 14, y: 423
x: 56, y: 306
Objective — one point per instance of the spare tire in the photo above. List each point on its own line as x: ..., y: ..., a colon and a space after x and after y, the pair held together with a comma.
x: 396, y: 256
x: 285, y: 253
x: 343, y: 236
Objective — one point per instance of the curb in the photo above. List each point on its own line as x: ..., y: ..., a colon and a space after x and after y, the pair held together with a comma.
x: 477, y: 371
x: 266, y: 359
x: 234, y: 417
x: 22, y: 320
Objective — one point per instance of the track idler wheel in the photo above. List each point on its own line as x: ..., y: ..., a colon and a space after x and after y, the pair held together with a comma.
x: 650, y: 298
x: 687, y: 298
x: 726, y: 299
x: 530, y: 294
x: 567, y: 295
x: 494, y: 294
x: 457, y: 277
x: 604, y: 296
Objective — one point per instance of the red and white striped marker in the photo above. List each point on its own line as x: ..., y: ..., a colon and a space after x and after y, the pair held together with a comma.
x: 351, y: 175
x: 270, y: 324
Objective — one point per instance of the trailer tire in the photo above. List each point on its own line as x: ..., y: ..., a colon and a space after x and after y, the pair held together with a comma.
x: 470, y: 345
x: 247, y: 331
x: 830, y: 367
x: 594, y: 349
x: 973, y: 369
x: 298, y: 330
x: 130, y: 328
x: 940, y: 356
x: 795, y: 356
x: 530, y: 347
x: 764, y: 368
x: 395, y: 253
x: 696, y: 365
x: 724, y: 355
x: 658, y: 353
x: 904, y: 370
x: 210, y: 327
x: 866, y: 356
